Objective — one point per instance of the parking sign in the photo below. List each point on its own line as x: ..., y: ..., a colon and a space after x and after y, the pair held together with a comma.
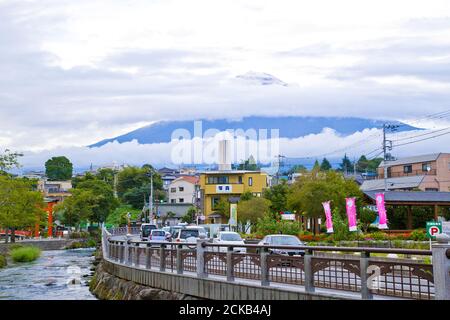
x: 433, y: 229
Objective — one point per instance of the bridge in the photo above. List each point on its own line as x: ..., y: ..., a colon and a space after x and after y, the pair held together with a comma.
x: 19, y: 234
x: 215, y: 271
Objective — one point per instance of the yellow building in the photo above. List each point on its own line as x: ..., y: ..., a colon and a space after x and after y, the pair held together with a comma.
x: 228, y: 185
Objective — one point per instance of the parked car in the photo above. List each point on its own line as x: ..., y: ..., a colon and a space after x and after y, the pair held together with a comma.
x: 157, y: 235
x: 230, y: 238
x: 168, y: 233
x: 283, y: 240
x: 190, y: 234
x: 146, y: 229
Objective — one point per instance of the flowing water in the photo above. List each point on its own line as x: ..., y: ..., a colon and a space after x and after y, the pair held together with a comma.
x: 56, y: 275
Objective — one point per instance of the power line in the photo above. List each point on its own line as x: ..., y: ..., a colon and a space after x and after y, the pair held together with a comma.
x: 411, y: 142
x: 421, y: 135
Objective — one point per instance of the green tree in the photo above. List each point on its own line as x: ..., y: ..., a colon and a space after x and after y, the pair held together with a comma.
x: 298, y: 168
x: 251, y: 210
x: 189, y: 216
x: 346, y: 165
x: 362, y: 164
x: 325, y: 165
x: 20, y: 206
x: 223, y: 207
x: 249, y: 164
x: 366, y: 217
x: 277, y: 195
x: 9, y: 160
x: 316, y: 166
x: 133, y: 185
x: 311, y: 190
x: 106, y: 203
x: 79, y: 207
x: 58, y: 168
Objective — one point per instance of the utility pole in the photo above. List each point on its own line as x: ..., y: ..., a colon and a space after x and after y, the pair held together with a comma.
x: 280, y: 164
x: 150, y: 200
x: 387, y: 145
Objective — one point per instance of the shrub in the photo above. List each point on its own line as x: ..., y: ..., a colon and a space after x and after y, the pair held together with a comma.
x: 268, y: 225
x: 2, y: 261
x: 379, y: 236
x: 418, y: 235
x: 25, y: 254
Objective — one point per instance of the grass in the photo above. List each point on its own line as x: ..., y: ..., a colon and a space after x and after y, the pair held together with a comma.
x: 2, y: 261
x: 25, y: 254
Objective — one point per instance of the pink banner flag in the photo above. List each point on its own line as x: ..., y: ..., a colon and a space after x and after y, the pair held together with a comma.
x: 329, y: 220
x: 351, y: 213
x: 382, y: 219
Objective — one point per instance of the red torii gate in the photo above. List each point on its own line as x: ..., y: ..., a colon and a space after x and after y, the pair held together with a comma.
x: 50, y: 205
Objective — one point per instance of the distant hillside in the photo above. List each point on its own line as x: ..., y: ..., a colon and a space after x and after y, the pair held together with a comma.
x: 290, y: 127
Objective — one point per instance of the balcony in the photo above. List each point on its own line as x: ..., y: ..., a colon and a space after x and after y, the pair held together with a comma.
x: 413, y: 173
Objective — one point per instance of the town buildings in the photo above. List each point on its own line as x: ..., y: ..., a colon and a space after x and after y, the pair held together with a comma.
x: 425, y: 172
x: 184, y: 190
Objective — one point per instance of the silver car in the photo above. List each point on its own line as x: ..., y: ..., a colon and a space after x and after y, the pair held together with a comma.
x: 283, y: 240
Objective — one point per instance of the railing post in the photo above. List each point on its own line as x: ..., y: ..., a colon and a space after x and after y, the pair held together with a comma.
x: 122, y: 252
x: 127, y: 252
x: 201, y: 259
x: 179, y: 259
x: 137, y: 253
x: 264, y: 267
x: 441, y: 267
x: 230, y: 264
x: 162, y: 258
x: 309, y: 274
x: 366, y: 294
x: 148, y: 258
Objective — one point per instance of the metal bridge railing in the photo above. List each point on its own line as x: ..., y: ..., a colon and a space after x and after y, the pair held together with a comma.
x: 359, y: 272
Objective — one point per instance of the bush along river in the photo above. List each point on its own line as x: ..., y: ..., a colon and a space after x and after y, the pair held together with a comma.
x: 55, y: 275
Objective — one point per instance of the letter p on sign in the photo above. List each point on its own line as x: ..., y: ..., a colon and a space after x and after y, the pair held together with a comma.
x: 433, y: 229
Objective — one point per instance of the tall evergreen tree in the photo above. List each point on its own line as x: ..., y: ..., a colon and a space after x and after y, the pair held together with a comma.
x: 325, y: 165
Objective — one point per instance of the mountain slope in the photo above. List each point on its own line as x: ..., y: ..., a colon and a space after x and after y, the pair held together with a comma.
x: 289, y: 127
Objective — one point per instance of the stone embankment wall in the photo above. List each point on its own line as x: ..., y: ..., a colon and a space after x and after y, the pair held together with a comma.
x: 108, y: 287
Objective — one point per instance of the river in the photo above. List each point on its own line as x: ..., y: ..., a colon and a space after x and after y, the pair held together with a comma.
x: 56, y: 275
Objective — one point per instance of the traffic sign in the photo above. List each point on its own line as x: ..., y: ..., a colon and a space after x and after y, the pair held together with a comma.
x: 433, y: 229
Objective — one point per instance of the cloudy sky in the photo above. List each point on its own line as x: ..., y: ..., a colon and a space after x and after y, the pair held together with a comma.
x: 76, y: 72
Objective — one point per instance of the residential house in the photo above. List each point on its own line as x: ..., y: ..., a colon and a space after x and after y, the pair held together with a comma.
x: 55, y: 190
x: 184, y: 190
x: 425, y: 172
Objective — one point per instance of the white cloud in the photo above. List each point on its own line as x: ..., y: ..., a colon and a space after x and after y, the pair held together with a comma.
x: 74, y: 73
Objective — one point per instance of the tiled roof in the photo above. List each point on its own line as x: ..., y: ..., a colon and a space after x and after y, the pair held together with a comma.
x: 393, y: 183
x: 415, y: 159
x: 191, y: 179
x: 412, y: 196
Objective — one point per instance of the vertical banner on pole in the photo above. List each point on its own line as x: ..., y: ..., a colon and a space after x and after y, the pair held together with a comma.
x: 233, y: 215
x: 382, y: 218
x: 329, y: 220
x: 351, y: 213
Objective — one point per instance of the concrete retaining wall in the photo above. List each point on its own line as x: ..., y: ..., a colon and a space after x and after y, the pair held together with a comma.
x: 206, y: 288
x: 53, y: 244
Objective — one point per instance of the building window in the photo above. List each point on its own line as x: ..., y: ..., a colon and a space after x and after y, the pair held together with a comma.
x: 181, y: 189
x: 432, y: 189
x: 240, y: 178
x: 172, y: 201
x: 181, y: 200
x: 407, y: 169
x: 218, y: 180
x: 214, y: 202
x: 250, y: 181
x: 173, y: 190
x: 426, y: 167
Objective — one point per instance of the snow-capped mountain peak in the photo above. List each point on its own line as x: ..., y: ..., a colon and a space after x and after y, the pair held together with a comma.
x: 261, y: 78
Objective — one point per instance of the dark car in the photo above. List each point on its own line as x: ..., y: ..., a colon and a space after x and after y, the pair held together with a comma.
x: 283, y: 240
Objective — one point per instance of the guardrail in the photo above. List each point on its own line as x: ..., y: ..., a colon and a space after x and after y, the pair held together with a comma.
x: 364, y: 273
